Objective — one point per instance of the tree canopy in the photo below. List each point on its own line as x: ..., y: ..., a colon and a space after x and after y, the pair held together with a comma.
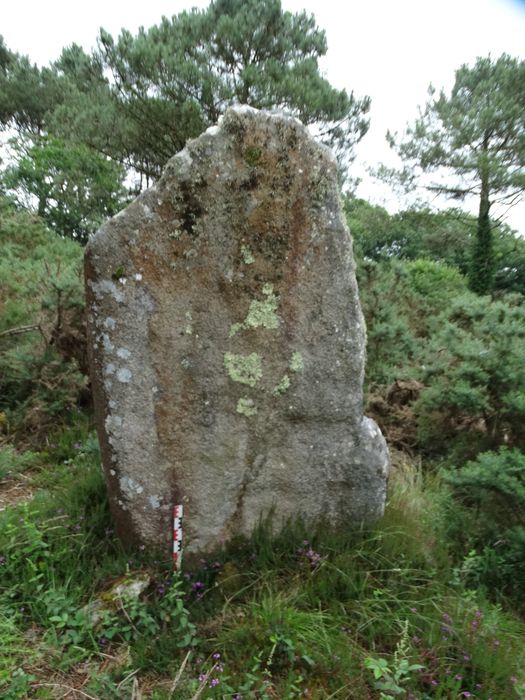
x: 474, y: 141
x: 176, y: 78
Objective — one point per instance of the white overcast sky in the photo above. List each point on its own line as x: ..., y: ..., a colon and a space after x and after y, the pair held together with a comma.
x: 388, y: 49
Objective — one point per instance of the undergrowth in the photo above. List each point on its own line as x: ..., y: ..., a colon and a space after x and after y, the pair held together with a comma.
x: 375, y: 613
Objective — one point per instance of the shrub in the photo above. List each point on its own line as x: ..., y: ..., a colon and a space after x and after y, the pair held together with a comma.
x: 488, y: 526
x: 473, y: 371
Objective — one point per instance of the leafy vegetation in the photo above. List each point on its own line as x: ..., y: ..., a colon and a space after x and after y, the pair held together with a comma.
x: 430, y: 602
x: 476, y: 137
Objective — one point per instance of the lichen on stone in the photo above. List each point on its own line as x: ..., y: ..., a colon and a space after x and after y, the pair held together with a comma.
x: 245, y: 369
x: 263, y: 313
x: 246, y: 407
x: 296, y: 363
x: 282, y: 387
x: 247, y: 255
x: 234, y: 328
x: 188, y: 329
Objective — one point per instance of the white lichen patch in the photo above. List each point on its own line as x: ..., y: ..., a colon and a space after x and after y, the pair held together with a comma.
x: 106, y: 342
x: 124, y: 353
x: 247, y: 255
x: 110, y: 369
x: 124, y: 375
x: 106, y: 287
x: 154, y: 501
x: 245, y: 369
x: 282, y: 387
x: 113, y: 423
x: 138, y: 277
x: 296, y: 362
x: 188, y: 329
x: 246, y: 407
x: 130, y: 488
x: 109, y: 323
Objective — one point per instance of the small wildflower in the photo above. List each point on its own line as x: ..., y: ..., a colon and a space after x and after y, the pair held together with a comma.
x: 513, y: 680
x: 216, y: 655
x: 103, y: 641
x: 413, y: 610
x: 434, y: 682
x: 458, y: 677
x: 2, y: 560
x: 466, y: 657
x: 219, y: 668
x: 202, y: 677
x: 466, y: 694
x: 214, y: 682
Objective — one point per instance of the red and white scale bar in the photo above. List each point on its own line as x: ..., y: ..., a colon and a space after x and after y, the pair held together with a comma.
x: 177, y: 535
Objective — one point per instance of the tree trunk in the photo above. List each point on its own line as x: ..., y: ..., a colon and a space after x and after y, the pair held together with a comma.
x: 481, y: 276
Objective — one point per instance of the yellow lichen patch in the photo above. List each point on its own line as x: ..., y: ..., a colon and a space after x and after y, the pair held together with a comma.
x: 246, y: 369
x: 296, y: 363
x: 246, y: 407
x: 247, y: 255
x: 261, y: 313
x: 282, y: 387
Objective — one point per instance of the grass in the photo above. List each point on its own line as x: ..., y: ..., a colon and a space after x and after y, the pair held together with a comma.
x: 361, y: 614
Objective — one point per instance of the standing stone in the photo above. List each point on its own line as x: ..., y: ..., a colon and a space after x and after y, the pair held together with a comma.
x: 227, y: 343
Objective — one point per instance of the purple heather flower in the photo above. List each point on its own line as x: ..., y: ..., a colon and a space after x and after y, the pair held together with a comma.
x: 214, y: 682
x: 216, y: 655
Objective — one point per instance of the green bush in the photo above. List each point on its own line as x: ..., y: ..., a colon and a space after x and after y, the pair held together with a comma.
x: 42, y: 338
x: 473, y: 372
x: 488, y: 525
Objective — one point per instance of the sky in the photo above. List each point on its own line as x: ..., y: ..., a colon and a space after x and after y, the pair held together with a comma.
x: 388, y: 49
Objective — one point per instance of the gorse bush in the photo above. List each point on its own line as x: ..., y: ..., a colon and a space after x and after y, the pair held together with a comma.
x: 42, y: 343
x: 473, y: 371
x: 487, y: 523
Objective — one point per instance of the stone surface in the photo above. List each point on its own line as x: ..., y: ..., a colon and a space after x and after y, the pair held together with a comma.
x: 227, y: 343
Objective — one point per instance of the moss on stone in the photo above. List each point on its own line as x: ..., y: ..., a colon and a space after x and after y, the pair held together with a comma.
x: 252, y: 156
x: 245, y: 369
